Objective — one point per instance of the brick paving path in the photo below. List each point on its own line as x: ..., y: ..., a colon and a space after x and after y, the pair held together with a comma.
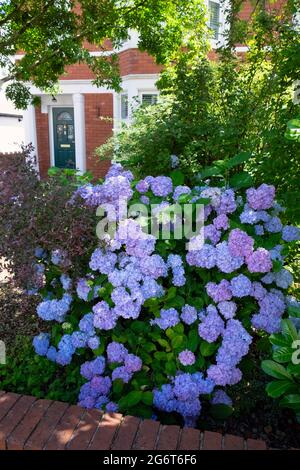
x: 32, y: 424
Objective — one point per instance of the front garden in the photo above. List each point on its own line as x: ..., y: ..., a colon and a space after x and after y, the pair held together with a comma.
x: 169, y: 290
x: 180, y: 326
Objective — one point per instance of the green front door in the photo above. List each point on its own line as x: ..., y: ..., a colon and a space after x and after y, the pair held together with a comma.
x: 64, y: 137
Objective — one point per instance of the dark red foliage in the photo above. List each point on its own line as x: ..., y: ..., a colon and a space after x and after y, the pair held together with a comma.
x: 36, y: 212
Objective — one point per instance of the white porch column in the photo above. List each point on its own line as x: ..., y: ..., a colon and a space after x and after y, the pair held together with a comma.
x: 132, y: 97
x: 30, y: 130
x: 79, y: 124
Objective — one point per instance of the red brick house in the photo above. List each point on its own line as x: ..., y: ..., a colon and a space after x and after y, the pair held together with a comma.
x: 66, y: 129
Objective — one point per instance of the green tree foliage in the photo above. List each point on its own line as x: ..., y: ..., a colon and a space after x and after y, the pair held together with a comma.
x: 54, y: 34
x: 211, y: 111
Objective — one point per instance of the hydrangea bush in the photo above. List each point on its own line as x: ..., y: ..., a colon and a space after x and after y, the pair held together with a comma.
x: 160, y: 326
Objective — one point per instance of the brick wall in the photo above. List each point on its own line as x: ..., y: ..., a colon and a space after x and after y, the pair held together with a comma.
x: 42, y: 133
x: 97, y: 129
x: 134, y: 61
x: 131, y: 61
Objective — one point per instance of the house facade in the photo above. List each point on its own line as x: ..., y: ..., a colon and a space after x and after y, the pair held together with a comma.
x: 66, y: 128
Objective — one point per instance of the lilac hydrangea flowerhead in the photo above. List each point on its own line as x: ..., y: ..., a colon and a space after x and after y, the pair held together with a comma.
x: 227, y: 309
x: 186, y: 358
x: 276, y: 254
x: 128, y: 310
x: 98, y: 365
x: 219, y: 292
x: 150, y: 288
x: 212, y: 234
x: 179, y: 190
x: 92, y: 195
x: 153, y: 266
x: 290, y: 233
x: 66, y: 282
x: 63, y: 358
x: 223, y: 375
x: 133, y: 363
x: 261, y: 198
x: 51, y: 354
x: 142, y: 186
x: 259, y: 230
x: 54, y: 309
x: 66, y: 344
x: 100, y: 402
x: 221, y: 398
x: 205, y: 386
x: 212, y: 325
x: 225, y: 261
x: 240, y: 243
x: 112, y: 407
x: 41, y: 344
x: 185, y: 388
x: 117, y: 169
x: 179, y: 278
x: 116, y: 352
x: 164, y: 399
x: 104, y: 317
x: 93, y: 342
x: 87, y: 402
x: 58, y: 257
x: 259, y: 261
x: 176, y: 264
x: 145, y: 200
x: 122, y: 373
x: 214, y: 194
x: 268, y: 278
x: 240, y: 286
x: 103, y: 262
x: 221, y: 222
x: 207, y: 209
x: 168, y: 318
x: 258, y: 291
x: 86, y: 324
x: 203, y: 258
x: 273, y: 225
x: 188, y: 314
x: 174, y: 261
x: 235, y: 344
x: 272, y: 307
x: 266, y: 322
x: 227, y: 203
x: 40, y: 253
x: 116, y: 188
x: 161, y: 186
x: 101, y: 385
x: 86, y: 371
x: 120, y: 296
x: 251, y: 216
x: 83, y: 289
x: 283, y: 278
x: 79, y: 339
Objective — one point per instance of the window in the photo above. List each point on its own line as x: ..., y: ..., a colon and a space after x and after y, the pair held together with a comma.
x: 124, y: 106
x: 149, y: 99
x: 64, y: 116
x: 214, y: 18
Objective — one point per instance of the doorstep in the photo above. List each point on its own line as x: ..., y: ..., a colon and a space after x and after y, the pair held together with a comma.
x: 28, y: 423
